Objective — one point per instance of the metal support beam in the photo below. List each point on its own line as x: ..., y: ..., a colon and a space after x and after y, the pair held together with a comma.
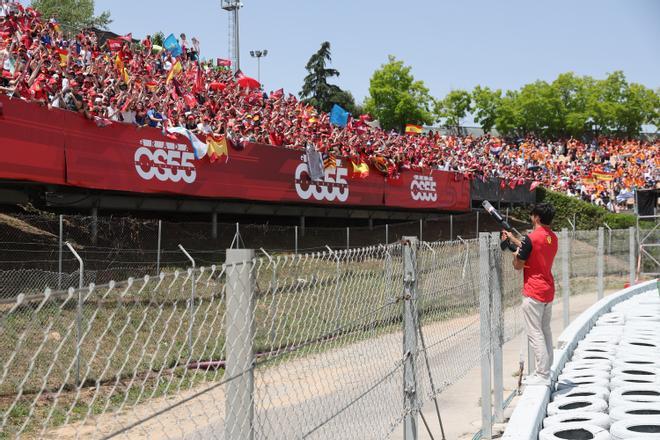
x: 600, y: 257
x: 410, y: 401
x: 485, y: 332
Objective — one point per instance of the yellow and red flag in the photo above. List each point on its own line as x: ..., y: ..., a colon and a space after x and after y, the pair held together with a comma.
x: 217, y: 148
x: 605, y: 177
x: 413, y: 129
x: 64, y: 57
x: 175, y: 70
x: 360, y: 171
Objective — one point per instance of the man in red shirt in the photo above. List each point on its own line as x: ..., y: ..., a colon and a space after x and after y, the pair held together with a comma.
x: 535, y: 255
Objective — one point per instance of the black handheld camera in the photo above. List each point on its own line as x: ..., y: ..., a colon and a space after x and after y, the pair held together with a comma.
x: 504, y: 244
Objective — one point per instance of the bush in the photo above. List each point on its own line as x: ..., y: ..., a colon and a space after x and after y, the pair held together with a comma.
x: 586, y: 215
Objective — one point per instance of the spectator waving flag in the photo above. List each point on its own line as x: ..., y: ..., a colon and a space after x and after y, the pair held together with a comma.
x: 338, y: 116
x: 172, y: 45
x: 199, y: 148
x: 314, y: 163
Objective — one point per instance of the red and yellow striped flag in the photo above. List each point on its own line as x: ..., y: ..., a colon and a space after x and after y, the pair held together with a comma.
x: 413, y: 129
x: 175, y: 70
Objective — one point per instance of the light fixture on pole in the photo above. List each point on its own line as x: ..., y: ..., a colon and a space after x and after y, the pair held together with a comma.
x: 232, y: 6
x: 258, y: 54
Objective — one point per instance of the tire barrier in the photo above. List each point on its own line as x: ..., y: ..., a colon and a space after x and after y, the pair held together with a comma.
x: 644, y: 412
x: 627, y: 429
x: 589, y: 404
x: 586, y: 417
x: 574, y: 431
x: 610, y: 387
x: 582, y: 391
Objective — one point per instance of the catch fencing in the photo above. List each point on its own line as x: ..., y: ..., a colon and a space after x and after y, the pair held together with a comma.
x: 330, y: 344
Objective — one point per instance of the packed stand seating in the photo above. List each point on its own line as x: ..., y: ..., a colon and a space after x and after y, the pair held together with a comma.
x: 138, y: 84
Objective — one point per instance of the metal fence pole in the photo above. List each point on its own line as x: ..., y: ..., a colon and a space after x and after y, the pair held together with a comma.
x: 348, y: 238
x: 421, y: 230
x: 214, y: 225
x: 600, y: 281
x: 160, y: 231
x: 477, y: 224
x: 59, y: 252
x: 387, y: 234
x: 295, y: 240
x: 240, y: 331
x: 78, y: 311
x: 409, y: 338
x: 564, y: 245
x: 631, y: 254
x: 192, y: 301
x: 497, y: 333
x: 609, y: 238
x: 451, y: 227
x: 484, y: 340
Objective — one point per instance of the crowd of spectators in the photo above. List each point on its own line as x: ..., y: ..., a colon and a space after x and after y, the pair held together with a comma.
x: 142, y: 84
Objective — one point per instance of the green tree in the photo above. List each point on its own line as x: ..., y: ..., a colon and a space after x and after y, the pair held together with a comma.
x: 571, y: 90
x: 507, y: 120
x: 316, y: 90
x: 345, y: 99
x: 454, y: 107
x: 539, y: 109
x: 73, y: 14
x: 396, y: 99
x: 158, y: 38
x: 640, y: 106
x: 486, y: 104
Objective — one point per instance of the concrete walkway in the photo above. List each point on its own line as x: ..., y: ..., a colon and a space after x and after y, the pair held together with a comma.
x: 459, y: 403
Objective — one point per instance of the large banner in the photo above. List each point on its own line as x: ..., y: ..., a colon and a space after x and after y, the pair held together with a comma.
x: 121, y: 157
x: 31, y: 143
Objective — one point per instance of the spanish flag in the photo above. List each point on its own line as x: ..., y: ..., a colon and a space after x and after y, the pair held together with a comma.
x: 413, y: 129
x: 217, y: 149
x: 122, y: 69
x: 605, y: 177
x: 175, y: 70
x: 64, y: 56
x: 360, y: 171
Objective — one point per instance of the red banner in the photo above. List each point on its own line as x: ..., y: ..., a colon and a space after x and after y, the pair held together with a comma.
x: 32, y: 143
x: 122, y: 158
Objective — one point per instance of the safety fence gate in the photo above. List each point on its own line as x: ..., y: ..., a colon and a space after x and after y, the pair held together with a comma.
x: 351, y: 344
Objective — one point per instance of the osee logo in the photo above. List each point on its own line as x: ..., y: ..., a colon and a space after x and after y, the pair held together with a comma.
x: 164, y: 161
x: 423, y: 188
x: 334, y: 185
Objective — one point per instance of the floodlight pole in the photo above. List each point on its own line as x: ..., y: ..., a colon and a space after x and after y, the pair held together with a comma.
x: 232, y: 6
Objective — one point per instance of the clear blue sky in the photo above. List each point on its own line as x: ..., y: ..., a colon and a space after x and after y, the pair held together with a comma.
x: 450, y: 44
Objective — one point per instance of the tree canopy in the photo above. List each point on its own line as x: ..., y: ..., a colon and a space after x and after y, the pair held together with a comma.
x: 316, y: 91
x: 454, y: 107
x: 396, y: 99
x: 571, y: 105
x: 73, y: 14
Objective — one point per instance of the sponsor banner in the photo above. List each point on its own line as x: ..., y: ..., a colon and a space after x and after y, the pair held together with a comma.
x: 65, y: 148
x: 32, y: 149
x: 429, y: 190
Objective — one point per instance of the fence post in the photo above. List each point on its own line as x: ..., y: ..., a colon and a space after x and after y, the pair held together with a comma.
x: 295, y: 240
x: 484, y: 340
x: 387, y: 234
x: 160, y: 230
x: 192, y: 302
x: 497, y: 325
x: 214, y: 224
x: 409, y: 337
x: 451, y: 227
x: 421, y: 230
x: 631, y: 254
x: 477, y: 235
x: 564, y: 245
x: 348, y: 237
x: 78, y: 311
x: 600, y: 281
x: 95, y: 225
x: 240, y: 331
x: 59, y: 257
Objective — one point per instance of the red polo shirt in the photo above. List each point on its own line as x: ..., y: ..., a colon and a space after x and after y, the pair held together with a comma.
x: 539, y: 283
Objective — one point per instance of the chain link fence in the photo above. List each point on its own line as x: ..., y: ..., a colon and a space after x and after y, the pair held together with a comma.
x: 338, y: 343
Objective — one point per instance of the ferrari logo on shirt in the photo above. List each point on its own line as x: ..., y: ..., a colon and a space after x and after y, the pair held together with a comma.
x: 549, y: 239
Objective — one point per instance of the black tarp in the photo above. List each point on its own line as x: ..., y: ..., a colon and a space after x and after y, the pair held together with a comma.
x: 647, y: 200
x: 492, y: 191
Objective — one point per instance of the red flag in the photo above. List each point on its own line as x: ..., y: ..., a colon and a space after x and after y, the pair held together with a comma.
x: 190, y: 100
x: 114, y: 44
x: 127, y: 38
x: 277, y: 94
x: 222, y: 62
x: 199, y: 81
x: 533, y: 186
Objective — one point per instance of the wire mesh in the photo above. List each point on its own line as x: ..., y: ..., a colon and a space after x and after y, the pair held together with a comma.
x: 312, y: 349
